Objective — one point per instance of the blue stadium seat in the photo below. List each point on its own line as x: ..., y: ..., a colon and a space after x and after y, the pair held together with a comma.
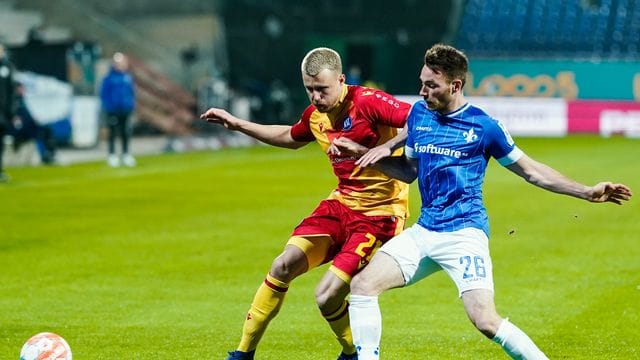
x: 604, y: 28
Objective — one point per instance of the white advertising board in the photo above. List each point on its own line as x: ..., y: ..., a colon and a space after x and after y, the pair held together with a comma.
x: 545, y: 117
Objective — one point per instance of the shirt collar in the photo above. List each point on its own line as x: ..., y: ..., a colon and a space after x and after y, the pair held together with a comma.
x: 343, y: 95
x: 456, y: 112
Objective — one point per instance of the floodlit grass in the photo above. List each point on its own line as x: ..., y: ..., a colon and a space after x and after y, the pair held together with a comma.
x: 161, y: 261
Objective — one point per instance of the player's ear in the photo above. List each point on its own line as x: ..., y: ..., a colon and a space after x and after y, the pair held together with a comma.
x: 342, y: 78
x: 456, y: 86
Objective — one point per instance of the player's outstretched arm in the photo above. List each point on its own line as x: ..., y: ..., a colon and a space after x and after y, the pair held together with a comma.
x: 383, y: 150
x: 547, y: 178
x: 610, y: 192
x: 344, y: 145
x: 276, y: 135
x: 367, y: 156
x: 397, y: 167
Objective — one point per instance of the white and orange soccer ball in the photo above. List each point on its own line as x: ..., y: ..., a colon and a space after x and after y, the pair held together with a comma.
x: 45, y: 346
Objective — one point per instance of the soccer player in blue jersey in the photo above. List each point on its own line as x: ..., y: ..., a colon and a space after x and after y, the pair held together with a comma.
x: 449, y: 143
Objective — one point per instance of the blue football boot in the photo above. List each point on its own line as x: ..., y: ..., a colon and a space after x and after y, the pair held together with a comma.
x: 241, y: 355
x: 344, y: 356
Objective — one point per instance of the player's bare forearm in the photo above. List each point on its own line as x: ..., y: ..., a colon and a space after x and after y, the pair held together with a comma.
x: 599, y: 193
x: 276, y: 135
x: 344, y: 145
x: 367, y: 157
x: 384, y: 150
x: 545, y: 177
x: 399, y: 140
x: 398, y: 167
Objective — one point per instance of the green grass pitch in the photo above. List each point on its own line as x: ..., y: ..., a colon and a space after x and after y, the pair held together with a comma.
x: 161, y: 261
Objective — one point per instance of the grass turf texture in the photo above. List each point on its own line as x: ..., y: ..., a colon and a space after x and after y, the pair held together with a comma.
x: 161, y: 261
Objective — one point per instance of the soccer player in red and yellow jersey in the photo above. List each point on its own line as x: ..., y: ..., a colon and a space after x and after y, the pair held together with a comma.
x: 365, y: 210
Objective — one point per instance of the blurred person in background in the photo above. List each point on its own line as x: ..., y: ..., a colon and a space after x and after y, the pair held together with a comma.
x: 117, y: 94
x: 7, y: 103
x: 354, y: 76
x: 364, y: 211
x: 25, y: 128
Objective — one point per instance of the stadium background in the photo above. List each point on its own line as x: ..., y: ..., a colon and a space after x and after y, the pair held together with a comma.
x: 157, y: 261
x: 245, y: 54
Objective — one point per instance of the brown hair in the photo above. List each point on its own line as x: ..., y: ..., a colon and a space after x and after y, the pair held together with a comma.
x: 449, y: 61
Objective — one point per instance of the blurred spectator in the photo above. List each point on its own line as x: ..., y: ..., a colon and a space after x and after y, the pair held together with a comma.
x: 257, y: 90
x: 279, y: 103
x: 36, y: 35
x: 190, y: 54
x: 354, y: 75
x: 118, y: 102
x: 7, y: 105
x: 25, y: 128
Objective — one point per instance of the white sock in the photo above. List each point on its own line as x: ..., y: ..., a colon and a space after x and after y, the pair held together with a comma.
x: 516, y: 343
x: 366, y: 326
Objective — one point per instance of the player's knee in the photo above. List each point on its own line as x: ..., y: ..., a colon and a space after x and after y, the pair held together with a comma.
x: 326, y: 299
x: 362, y: 284
x: 486, y: 324
x: 286, y: 269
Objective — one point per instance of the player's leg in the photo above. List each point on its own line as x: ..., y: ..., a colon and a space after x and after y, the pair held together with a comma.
x: 307, y: 248
x: 123, y: 132
x: 112, y: 127
x: 331, y: 295
x: 464, y: 255
x: 270, y: 295
x: 401, y: 261
x: 382, y: 273
x: 49, y: 142
x: 480, y: 307
x: 364, y: 235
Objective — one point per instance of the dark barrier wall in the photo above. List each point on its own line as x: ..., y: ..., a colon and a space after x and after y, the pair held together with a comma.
x: 386, y: 40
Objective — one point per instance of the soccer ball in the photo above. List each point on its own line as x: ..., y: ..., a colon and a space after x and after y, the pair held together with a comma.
x: 45, y: 346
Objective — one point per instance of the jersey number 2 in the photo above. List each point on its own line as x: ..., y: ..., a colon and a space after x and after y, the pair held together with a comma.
x: 372, y: 244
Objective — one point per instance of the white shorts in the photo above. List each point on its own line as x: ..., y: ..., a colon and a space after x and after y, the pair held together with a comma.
x: 463, y: 254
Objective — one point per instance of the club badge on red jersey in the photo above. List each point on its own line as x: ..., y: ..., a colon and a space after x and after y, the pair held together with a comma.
x: 346, y: 125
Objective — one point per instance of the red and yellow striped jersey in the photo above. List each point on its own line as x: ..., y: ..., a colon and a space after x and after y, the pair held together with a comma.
x: 369, y: 117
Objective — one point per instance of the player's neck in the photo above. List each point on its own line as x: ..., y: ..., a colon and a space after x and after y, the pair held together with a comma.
x: 456, y: 103
x: 338, y: 107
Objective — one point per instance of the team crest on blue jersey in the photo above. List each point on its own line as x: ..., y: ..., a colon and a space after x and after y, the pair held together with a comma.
x: 346, y: 125
x: 470, y: 136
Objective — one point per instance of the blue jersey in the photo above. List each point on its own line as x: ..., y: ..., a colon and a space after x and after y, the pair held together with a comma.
x: 452, y: 151
x: 118, y: 92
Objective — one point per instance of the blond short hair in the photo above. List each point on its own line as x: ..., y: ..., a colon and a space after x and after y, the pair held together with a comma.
x: 320, y: 59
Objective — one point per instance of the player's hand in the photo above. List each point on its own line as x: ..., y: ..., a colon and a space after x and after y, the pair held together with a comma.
x: 607, y: 191
x: 344, y: 145
x: 374, y: 155
x: 222, y: 117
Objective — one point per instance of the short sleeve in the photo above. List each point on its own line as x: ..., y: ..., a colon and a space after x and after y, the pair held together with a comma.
x: 301, y: 131
x: 409, y: 143
x: 383, y: 108
x: 501, y: 145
